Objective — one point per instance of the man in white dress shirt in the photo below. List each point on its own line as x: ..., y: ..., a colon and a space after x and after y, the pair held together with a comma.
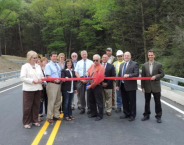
x: 82, y: 66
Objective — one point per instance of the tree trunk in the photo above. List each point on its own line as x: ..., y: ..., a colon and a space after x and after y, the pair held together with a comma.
x: 20, y: 38
x: 0, y: 43
x: 143, y: 31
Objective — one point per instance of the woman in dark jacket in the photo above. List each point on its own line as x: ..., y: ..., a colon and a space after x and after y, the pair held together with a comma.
x: 68, y: 89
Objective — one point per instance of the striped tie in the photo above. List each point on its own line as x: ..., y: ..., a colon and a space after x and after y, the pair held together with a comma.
x: 84, y: 70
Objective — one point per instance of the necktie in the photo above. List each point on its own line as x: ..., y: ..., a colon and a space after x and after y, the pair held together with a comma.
x: 151, y: 68
x: 124, y: 69
x: 56, y: 67
x: 104, y: 65
x: 84, y: 70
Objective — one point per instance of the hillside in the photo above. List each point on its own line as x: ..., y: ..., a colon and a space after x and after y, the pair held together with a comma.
x: 7, y: 63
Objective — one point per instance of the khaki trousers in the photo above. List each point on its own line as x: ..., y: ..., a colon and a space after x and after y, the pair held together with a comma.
x: 54, y: 100
x: 107, y: 99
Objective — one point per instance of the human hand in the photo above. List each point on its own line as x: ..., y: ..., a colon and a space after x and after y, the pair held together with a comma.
x: 117, y: 88
x: 35, y: 81
x: 143, y: 90
x: 40, y: 81
x: 75, y: 91
x: 153, y: 78
x: 126, y: 75
x: 88, y: 87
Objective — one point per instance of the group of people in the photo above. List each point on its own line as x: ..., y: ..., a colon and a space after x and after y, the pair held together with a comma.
x: 94, y: 96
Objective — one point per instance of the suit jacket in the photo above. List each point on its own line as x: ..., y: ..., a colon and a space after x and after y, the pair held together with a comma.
x: 28, y: 74
x: 109, y: 72
x: 149, y: 85
x: 66, y: 86
x: 133, y: 70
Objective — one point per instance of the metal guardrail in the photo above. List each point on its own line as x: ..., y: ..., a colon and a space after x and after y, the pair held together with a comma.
x: 9, y: 75
x: 174, y: 81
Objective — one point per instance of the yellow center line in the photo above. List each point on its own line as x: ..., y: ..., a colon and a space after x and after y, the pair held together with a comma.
x: 54, y: 131
x: 40, y: 134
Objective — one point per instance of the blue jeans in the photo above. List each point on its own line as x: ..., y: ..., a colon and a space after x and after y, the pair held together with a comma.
x: 67, y: 98
x: 118, y: 99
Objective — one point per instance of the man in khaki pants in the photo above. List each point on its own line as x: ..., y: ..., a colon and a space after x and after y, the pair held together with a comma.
x: 111, y: 60
x: 52, y: 70
x: 107, y: 85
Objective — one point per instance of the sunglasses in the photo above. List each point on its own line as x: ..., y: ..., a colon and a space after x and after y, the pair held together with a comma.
x: 95, y: 60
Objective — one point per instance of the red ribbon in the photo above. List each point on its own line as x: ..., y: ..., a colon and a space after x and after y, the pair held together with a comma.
x: 106, y: 78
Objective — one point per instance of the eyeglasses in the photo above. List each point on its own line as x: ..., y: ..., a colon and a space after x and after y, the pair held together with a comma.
x: 74, y: 56
x: 95, y: 60
x: 34, y: 57
x: 61, y: 57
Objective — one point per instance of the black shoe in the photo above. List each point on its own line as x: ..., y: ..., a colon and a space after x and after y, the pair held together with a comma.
x: 82, y: 111
x: 145, y: 118
x: 131, y: 118
x: 89, y: 112
x: 118, y: 110
x: 159, y: 120
x: 79, y: 107
x: 91, y: 116
x: 123, y: 117
x: 98, y: 118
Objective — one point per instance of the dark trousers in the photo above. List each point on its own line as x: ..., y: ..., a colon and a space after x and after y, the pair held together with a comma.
x: 158, y: 108
x: 81, y: 87
x: 96, y: 100
x: 67, y: 102
x: 129, y: 101
x: 31, y: 105
x: 45, y: 100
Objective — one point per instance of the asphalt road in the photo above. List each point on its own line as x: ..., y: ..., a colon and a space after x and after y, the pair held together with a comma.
x: 85, y: 131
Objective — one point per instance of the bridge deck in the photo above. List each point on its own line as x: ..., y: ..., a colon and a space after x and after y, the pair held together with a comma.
x: 109, y: 131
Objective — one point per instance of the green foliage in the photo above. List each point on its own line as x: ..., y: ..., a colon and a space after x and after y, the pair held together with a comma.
x: 93, y: 25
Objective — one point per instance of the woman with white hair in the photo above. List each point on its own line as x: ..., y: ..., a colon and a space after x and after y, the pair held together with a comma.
x: 31, y: 75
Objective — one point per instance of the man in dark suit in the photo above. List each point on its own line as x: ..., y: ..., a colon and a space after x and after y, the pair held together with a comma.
x: 107, y: 84
x: 154, y: 70
x: 128, y: 87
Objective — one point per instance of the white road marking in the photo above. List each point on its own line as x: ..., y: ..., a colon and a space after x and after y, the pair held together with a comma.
x: 173, y: 107
x: 10, y: 88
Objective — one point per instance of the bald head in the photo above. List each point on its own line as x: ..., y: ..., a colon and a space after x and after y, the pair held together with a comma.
x: 127, y: 56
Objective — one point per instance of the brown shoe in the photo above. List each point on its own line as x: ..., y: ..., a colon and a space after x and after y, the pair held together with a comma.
x: 57, y: 118
x: 108, y: 113
x: 50, y: 120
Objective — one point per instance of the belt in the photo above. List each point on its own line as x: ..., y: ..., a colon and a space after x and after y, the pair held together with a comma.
x: 54, y: 82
